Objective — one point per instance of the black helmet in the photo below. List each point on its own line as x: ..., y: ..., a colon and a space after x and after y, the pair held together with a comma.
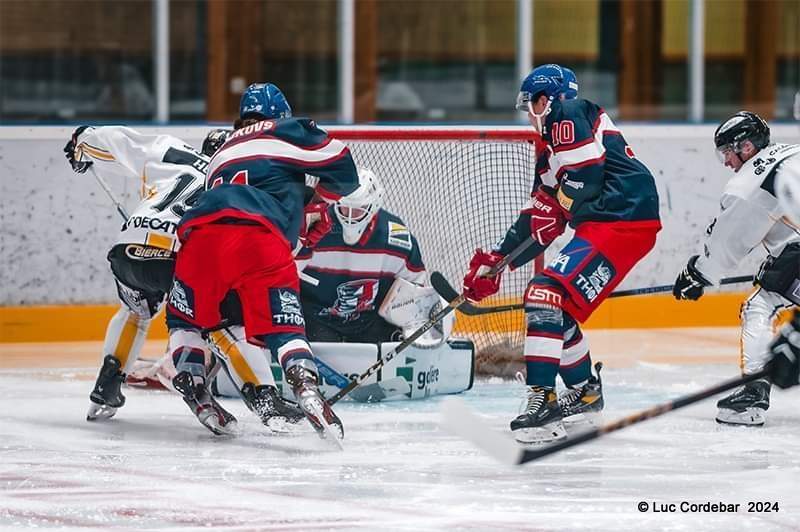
x: 742, y: 126
x: 214, y: 141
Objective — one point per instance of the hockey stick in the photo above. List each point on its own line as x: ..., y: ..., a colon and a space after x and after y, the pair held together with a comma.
x: 462, y: 421
x: 446, y: 290
x: 368, y: 393
x: 425, y: 327
x: 107, y: 189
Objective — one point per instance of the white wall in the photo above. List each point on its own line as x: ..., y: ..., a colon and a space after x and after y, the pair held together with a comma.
x: 57, y: 226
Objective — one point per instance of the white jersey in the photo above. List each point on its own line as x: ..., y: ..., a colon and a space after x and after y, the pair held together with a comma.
x: 171, y: 172
x: 749, y: 214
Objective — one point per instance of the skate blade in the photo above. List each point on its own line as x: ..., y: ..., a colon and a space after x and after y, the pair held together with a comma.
x: 539, y: 435
x: 313, y: 407
x: 588, y: 419
x: 751, y: 417
x: 100, y: 412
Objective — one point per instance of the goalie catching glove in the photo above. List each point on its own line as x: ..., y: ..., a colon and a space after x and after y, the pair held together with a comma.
x: 477, y: 285
x: 547, y: 219
x: 690, y: 282
x: 317, y: 223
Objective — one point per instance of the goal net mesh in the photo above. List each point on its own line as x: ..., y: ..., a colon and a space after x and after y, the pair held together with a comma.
x: 457, y: 191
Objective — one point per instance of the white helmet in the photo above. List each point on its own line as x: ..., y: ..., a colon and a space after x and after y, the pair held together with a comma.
x: 787, y: 190
x: 356, y: 210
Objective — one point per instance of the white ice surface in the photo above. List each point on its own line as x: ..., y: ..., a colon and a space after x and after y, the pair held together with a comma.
x: 153, y: 467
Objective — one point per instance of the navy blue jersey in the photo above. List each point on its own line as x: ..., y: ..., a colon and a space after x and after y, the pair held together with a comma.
x: 354, y: 280
x: 272, y: 158
x: 598, y: 175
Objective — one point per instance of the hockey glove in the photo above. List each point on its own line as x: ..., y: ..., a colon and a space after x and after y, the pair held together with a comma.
x: 317, y: 223
x: 547, y: 218
x: 476, y: 285
x: 785, y: 349
x: 690, y: 282
x: 69, y: 152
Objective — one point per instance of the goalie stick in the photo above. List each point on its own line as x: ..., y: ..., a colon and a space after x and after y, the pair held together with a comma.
x: 462, y: 421
x: 446, y: 290
x: 425, y: 327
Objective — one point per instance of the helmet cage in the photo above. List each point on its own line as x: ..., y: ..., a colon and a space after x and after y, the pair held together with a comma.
x: 356, y: 210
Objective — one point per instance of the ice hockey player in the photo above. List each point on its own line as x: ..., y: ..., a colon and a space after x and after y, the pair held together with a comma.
x: 143, y: 258
x: 372, y: 284
x: 750, y: 216
x: 588, y: 176
x: 240, y: 236
x: 785, y: 349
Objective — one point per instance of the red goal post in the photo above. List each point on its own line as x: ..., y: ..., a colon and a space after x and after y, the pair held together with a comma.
x: 457, y: 188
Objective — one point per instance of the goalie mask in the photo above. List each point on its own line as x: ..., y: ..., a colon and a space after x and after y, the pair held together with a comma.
x: 356, y: 210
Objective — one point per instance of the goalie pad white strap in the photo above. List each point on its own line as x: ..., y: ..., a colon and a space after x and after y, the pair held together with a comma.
x: 410, y: 305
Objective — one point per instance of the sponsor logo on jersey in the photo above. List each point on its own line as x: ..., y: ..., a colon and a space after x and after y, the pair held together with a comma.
x: 577, y: 185
x: 594, y: 277
x: 138, y: 252
x: 144, y: 222
x: 181, y: 298
x: 286, y: 310
x: 135, y: 301
x: 353, y: 298
x: 399, y: 236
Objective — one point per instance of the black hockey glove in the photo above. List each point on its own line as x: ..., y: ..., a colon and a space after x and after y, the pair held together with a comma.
x: 690, y: 282
x: 69, y: 152
x: 785, y: 349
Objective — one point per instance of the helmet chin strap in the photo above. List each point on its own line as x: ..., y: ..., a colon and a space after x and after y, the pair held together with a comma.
x: 540, y: 117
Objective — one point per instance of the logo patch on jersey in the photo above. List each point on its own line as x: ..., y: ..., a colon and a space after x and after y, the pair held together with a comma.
x: 353, y: 298
x: 570, y: 257
x: 285, y: 306
x: 399, y: 236
x: 144, y: 222
x: 594, y: 277
x: 137, y: 252
x: 181, y: 298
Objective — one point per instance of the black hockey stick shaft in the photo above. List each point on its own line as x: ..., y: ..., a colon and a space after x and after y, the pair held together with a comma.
x: 447, y: 291
x: 425, y: 327
x: 529, y: 455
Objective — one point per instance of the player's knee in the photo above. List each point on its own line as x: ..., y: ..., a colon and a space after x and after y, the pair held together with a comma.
x: 543, y: 303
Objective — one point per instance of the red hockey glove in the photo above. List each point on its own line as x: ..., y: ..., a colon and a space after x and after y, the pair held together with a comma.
x: 317, y: 223
x: 547, y: 218
x: 476, y: 286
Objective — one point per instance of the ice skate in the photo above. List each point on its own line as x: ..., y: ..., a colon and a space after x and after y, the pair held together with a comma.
x: 107, y: 397
x: 583, y: 402
x: 541, y: 421
x: 208, y: 411
x: 318, y: 412
x: 745, y: 406
x: 275, y: 412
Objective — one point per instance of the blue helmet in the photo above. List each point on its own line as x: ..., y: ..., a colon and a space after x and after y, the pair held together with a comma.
x: 551, y: 80
x: 263, y: 100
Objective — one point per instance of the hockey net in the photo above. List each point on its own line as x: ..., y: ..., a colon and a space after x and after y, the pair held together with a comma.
x: 457, y: 190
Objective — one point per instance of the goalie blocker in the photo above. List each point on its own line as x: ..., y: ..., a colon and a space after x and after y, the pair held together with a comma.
x: 446, y: 369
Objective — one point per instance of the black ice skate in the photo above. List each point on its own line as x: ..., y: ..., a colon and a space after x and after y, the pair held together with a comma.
x: 318, y: 412
x: 203, y: 405
x: 275, y: 412
x: 106, y: 397
x: 541, y: 421
x: 585, y: 400
x: 745, y: 406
